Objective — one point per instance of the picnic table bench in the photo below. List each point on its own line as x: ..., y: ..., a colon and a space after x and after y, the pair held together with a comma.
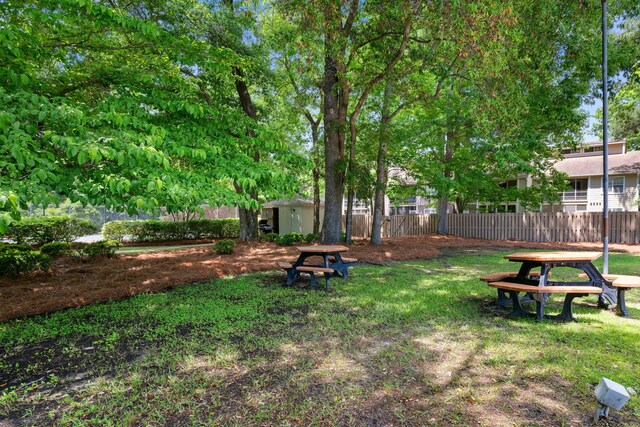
x: 539, y: 287
x: 621, y: 282
x: 333, y: 264
x: 538, y: 292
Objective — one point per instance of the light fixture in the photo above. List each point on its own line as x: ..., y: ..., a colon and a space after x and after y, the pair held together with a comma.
x: 610, y: 394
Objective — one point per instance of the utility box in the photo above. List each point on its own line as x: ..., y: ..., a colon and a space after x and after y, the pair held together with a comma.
x: 610, y: 393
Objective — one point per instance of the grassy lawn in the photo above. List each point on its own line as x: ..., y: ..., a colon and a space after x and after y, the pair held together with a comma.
x: 412, y: 343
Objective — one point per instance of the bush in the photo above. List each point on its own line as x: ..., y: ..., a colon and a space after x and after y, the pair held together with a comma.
x: 270, y: 237
x: 224, y: 246
x: 154, y: 231
x: 289, y: 239
x: 10, y: 247
x: 16, y: 261
x: 102, y: 247
x: 310, y: 238
x: 56, y: 249
x: 46, y: 229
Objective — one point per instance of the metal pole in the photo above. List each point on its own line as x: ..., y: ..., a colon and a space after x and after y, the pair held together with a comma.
x: 605, y: 145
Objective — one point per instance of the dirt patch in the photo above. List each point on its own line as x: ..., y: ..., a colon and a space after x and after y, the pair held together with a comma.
x: 73, y: 282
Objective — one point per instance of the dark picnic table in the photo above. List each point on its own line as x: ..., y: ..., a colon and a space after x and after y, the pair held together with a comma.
x: 539, y: 284
x: 328, y: 260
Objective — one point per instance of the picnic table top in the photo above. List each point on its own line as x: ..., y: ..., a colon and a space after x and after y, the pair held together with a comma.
x: 325, y: 249
x: 557, y: 256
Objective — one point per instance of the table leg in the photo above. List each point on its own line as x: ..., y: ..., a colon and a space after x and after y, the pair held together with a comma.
x: 503, y: 299
x: 622, y: 305
x: 567, y: 308
x: 516, y: 308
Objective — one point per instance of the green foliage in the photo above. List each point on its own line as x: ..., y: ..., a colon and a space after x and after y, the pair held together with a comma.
x: 289, y: 239
x: 56, y: 249
x: 224, y: 247
x: 269, y: 237
x: 102, y: 248
x: 41, y: 230
x: 156, y: 231
x: 4, y: 247
x: 624, y: 106
x: 16, y: 261
x: 8, y: 209
x: 310, y: 238
x: 105, y: 105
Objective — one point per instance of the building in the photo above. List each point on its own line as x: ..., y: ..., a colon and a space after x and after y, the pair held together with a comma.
x: 291, y: 215
x: 584, y: 168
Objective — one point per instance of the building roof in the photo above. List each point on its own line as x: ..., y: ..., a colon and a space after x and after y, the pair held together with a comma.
x: 294, y: 202
x: 619, y: 164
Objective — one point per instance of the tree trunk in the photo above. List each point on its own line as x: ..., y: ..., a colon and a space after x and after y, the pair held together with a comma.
x: 316, y: 176
x: 381, y: 168
x: 336, y: 101
x: 248, y: 224
x: 443, y: 205
x: 248, y: 217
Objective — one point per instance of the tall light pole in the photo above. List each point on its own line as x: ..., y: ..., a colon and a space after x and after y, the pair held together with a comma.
x: 605, y: 144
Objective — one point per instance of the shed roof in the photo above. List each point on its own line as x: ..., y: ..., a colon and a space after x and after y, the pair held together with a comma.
x: 294, y: 202
x: 619, y: 164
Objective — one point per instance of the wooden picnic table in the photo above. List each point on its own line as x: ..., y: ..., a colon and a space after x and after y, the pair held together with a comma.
x: 539, y: 285
x: 333, y: 264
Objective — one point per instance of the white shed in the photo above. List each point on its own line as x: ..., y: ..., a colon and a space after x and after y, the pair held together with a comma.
x: 291, y: 215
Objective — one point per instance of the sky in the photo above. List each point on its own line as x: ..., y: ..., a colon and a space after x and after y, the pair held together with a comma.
x: 588, y: 135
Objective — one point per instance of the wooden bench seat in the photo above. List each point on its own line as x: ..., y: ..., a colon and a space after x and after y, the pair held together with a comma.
x: 571, y: 292
x: 306, y: 268
x: 292, y: 272
x: 503, y: 300
x: 345, y: 259
x: 621, y: 282
x: 316, y: 269
x: 496, y: 277
x: 508, y: 286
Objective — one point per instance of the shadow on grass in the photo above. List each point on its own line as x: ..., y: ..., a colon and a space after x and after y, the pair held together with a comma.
x: 402, y: 344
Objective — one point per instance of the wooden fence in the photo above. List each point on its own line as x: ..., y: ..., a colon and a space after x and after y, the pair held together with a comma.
x: 624, y: 227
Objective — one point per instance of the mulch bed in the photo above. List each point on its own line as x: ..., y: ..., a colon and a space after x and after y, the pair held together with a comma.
x: 73, y: 282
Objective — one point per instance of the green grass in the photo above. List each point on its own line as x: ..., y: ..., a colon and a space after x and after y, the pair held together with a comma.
x: 412, y: 343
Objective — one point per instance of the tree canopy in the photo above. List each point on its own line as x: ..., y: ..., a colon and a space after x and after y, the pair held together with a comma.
x: 145, y: 105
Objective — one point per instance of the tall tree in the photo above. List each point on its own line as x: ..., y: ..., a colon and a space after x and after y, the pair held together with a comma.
x: 346, y: 28
x: 625, y: 100
x: 104, y: 105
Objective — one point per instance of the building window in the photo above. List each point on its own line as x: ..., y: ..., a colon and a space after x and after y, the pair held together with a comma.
x: 509, y: 184
x: 578, y: 190
x: 616, y: 184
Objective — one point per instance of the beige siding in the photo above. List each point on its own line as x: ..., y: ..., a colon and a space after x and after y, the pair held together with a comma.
x: 626, y: 201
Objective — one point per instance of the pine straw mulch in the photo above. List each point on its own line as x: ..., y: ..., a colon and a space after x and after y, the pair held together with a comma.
x: 73, y: 282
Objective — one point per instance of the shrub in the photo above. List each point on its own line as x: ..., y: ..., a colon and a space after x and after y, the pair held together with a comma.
x: 9, y: 247
x: 289, y: 239
x: 56, y: 249
x: 154, y: 231
x: 46, y: 229
x: 225, y: 246
x: 102, y: 247
x: 16, y: 261
x: 310, y: 238
x: 270, y: 237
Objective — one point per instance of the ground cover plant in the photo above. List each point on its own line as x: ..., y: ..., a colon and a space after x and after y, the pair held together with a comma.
x: 407, y: 343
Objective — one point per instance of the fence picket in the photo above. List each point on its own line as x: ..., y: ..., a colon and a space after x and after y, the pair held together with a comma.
x: 624, y: 227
